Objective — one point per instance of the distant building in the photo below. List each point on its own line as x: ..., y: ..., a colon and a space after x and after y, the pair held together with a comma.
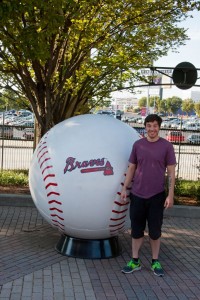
x: 122, y: 101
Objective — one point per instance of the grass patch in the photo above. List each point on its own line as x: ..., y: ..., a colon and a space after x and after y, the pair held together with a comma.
x: 14, y: 177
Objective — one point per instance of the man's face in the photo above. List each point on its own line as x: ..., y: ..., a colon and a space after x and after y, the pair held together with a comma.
x: 152, y: 129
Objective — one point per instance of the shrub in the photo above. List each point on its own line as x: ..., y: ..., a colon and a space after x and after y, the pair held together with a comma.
x: 187, y: 188
x: 14, y: 177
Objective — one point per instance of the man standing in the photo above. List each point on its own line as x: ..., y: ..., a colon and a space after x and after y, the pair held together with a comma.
x: 149, y: 160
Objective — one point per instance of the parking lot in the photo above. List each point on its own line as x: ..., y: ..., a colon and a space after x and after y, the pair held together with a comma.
x: 17, y: 124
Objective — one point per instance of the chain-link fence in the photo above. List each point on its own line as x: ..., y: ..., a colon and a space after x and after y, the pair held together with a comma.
x: 16, y: 149
x: 187, y: 149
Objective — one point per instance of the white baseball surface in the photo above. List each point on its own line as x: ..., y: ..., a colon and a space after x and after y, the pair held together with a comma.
x: 77, y: 172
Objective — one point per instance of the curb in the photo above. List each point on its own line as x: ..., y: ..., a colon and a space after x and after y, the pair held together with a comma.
x: 16, y: 200
x: 183, y: 211
x: 21, y: 200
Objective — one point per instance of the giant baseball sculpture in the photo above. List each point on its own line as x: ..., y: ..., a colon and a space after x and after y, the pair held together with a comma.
x: 76, y: 176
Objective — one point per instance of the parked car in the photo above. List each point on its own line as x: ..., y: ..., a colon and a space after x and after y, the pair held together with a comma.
x: 105, y: 112
x: 193, y: 139
x: 175, y: 124
x: 24, y: 113
x: 133, y: 119
x: 168, y: 123
x: 165, y: 124
x: 6, y: 132
x: 190, y: 126
x: 28, y: 133
x: 175, y: 136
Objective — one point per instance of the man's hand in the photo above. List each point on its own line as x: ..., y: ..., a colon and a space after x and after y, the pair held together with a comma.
x: 169, y: 202
x: 123, y: 194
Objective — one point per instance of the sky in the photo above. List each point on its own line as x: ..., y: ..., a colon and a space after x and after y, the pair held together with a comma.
x: 190, y: 52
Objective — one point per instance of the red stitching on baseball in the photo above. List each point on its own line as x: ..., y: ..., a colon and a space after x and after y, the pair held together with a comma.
x: 50, y: 184
x: 55, y: 201
x: 46, y: 159
x: 54, y: 215
x: 49, y: 175
x: 119, y: 209
x: 42, y: 155
x: 112, y: 219
x: 48, y: 167
x: 53, y: 193
x: 54, y: 208
x: 43, y: 161
x: 116, y: 224
x: 40, y: 150
x: 119, y: 212
x: 121, y: 204
x: 114, y: 230
x: 57, y: 225
x: 56, y: 221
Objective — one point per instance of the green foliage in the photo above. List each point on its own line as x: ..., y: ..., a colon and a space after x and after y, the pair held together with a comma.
x: 187, y: 188
x: 173, y: 104
x: 65, y: 57
x: 10, y: 100
x: 197, y: 108
x: 11, y: 177
x: 142, y: 102
x: 187, y: 105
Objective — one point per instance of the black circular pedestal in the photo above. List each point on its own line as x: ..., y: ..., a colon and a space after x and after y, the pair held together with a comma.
x: 91, y: 249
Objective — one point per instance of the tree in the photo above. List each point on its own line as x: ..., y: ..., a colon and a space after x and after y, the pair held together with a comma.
x: 173, y: 104
x: 142, y: 102
x: 65, y: 56
x: 187, y: 105
x: 197, y: 108
x: 9, y: 99
x: 153, y: 102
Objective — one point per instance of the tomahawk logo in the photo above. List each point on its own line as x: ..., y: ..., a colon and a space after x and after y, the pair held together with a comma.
x: 88, y: 166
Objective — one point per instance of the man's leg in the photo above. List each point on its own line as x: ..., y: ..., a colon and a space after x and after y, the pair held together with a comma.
x: 155, y: 265
x: 136, y: 245
x: 155, y: 248
x: 155, y: 219
x: 138, y: 222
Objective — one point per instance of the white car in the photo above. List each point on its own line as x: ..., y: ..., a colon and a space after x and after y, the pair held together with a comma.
x: 28, y: 133
x: 189, y: 126
x: 193, y: 139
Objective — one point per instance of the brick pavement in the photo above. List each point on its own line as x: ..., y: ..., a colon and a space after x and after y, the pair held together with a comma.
x: 31, y: 269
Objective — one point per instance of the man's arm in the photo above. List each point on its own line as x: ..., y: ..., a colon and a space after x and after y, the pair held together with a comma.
x: 171, y: 183
x: 129, y: 176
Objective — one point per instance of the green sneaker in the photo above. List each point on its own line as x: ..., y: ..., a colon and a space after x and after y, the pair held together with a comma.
x: 132, y: 266
x: 157, y: 268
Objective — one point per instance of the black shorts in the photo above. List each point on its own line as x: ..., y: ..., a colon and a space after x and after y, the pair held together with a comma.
x: 148, y: 211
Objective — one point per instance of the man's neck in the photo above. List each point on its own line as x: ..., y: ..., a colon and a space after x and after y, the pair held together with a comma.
x: 155, y: 139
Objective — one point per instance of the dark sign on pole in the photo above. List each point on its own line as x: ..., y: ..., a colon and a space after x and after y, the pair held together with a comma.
x: 184, y: 75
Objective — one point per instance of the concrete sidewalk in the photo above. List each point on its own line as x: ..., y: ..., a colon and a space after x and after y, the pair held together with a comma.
x: 31, y: 269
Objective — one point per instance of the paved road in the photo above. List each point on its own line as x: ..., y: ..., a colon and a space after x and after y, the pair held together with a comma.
x: 30, y: 268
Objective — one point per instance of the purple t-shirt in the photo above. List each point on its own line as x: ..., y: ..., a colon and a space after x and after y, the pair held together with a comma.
x: 151, y: 159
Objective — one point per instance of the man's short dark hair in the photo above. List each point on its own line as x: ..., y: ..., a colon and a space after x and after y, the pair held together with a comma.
x: 152, y: 118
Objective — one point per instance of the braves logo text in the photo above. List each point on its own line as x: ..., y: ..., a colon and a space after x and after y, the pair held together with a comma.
x: 88, y: 166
